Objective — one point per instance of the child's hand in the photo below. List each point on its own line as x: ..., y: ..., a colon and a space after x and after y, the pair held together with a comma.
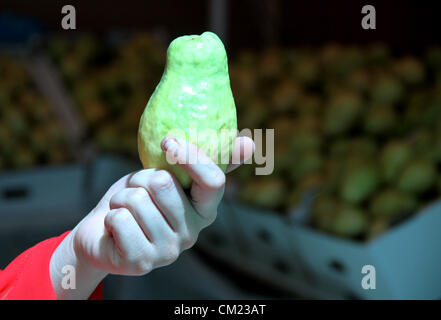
x: 145, y: 220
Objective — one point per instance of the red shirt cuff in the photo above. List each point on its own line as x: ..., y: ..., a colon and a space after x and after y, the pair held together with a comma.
x: 27, y: 277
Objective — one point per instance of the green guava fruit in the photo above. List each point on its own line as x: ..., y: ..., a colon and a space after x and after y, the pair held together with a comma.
x: 193, y: 101
x: 307, y: 163
x: 394, y: 157
x: 267, y: 192
x: 349, y: 222
x: 359, y: 182
x: 386, y: 89
x: 410, y: 70
x: 323, y: 211
x: 418, y: 176
x: 380, y: 119
x: 390, y: 202
x: 305, y: 134
x: 343, y: 111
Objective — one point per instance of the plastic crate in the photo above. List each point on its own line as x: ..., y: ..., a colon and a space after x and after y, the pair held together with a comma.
x: 406, y: 259
x: 263, y: 237
x: 222, y: 236
x: 44, y: 197
x: 317, y: 265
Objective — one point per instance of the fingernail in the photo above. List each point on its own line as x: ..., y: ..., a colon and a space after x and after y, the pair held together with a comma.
x: 168, y: 143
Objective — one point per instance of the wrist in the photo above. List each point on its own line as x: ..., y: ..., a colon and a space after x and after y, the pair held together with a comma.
x: 71, y: 275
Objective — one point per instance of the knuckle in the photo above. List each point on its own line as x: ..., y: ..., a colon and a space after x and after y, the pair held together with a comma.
x: 118, y: 216
x: 188, y: 240
x: 174, y: 253
x: 136, y: 194
x: 170, y: 254
x: 116, y: 199
x: 161, y: 180
x: 138, y: 178
x: 142, y: 266
x: 133, y: 180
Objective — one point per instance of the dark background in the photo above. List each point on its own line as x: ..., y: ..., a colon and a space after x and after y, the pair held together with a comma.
x: 404, y: 25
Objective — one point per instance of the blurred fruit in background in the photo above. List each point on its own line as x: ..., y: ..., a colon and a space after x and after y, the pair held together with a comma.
x: 356, y: 125
x: 390, y: 203
x: 394, y: 157
x: 30, y: 134
x: 342, y: 113
x: 410, y: 71
x: 418, y: 176
x: 349, y: 221
x: 267, y: 193
x: 359, y: 181
x: 386, y: 89
x: 110, y: 84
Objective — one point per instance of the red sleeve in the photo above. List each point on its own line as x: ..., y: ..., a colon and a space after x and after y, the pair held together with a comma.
x: 27, y: 276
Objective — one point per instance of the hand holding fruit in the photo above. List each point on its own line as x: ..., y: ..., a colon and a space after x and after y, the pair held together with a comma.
x: 144, y: 221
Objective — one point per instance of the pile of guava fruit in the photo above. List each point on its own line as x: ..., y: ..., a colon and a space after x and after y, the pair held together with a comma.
x: 30, y: 134
x: 110, y: 84
x: 357, y: 128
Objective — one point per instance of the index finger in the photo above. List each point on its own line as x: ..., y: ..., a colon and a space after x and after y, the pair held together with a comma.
x: 208, y: 179
x: 198, y: 165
